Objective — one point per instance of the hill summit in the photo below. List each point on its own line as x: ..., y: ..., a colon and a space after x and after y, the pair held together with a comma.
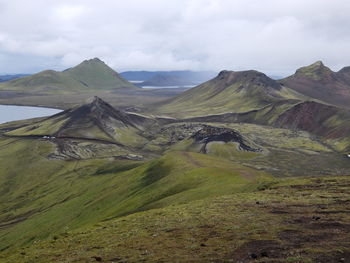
x: 316, y: 71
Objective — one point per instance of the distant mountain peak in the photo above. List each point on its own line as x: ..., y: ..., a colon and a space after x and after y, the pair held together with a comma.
x: 318, y: 63
x: 316, y: 70
x: 248, y: 77
x: 93, y: 60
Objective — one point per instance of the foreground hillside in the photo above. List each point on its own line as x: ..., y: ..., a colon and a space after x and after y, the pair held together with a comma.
x: 45, y: 191
x: 304, y: 220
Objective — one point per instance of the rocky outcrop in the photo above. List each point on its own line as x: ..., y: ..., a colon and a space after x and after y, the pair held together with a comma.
x: 217, y: 134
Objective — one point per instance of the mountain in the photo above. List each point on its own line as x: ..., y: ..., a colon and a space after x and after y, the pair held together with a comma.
x: 90, y: 75
x: 320, y: 82
x: 4, y: 78
x: 252, y: 97
x: 230, y: 91
x: 93, y: 163
x: 190, y: 76
x: 95, y: 74
x: 167, y: 80
x: 94, y: 120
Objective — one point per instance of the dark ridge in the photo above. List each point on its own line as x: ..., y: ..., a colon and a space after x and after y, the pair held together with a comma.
x: 210, y: 134
x: 345, y: 70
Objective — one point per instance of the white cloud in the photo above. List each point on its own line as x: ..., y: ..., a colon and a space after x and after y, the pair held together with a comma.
x: 270, y: 35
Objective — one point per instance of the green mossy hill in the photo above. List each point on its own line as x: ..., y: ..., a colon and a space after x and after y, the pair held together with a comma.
x: 319, y: 82
x: 42, y: 197
x: 95, y: 120
x: 304, y: 220
x: 95, y: 74
x: 316, y: 71
x: 229, y: 92
x: 90, y: 75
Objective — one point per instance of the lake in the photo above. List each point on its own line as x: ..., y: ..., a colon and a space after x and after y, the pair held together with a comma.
x: 15, y: 113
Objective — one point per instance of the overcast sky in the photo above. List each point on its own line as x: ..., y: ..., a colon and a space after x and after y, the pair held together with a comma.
x: 274, y: 36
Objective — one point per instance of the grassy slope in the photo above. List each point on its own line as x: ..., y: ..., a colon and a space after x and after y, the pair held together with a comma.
x: 283, y: 148
x: 89, y: 76
x: 330, y: 123
x: 48, y: 81
x: 217, y: 97
x: 42, y: 197
x: 303, y: 220
x: 95, y: 74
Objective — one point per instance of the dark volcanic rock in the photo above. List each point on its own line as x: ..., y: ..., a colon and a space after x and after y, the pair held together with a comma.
x: 210, y: 134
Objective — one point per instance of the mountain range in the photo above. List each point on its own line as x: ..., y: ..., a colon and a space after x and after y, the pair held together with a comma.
x: 190, y: 76
x: 241, y: 168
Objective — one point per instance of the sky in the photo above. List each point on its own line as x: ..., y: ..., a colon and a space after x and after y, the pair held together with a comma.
x: 273, y: 36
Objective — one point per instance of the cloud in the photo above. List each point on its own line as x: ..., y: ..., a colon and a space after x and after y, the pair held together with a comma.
x: 272, y: 36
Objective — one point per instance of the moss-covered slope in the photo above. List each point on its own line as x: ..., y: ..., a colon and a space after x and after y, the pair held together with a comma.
x: 90, y: 75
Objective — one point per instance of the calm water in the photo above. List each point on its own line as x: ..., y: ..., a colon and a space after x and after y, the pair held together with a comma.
x: 15, y: 113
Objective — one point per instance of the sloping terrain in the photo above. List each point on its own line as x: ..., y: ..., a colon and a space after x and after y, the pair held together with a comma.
x: 252, y: 97
x: 94, y: 120
x: 90, y: 75
x: 320, y: 82
x: 330, y: 123
x: 229, y: 92
x: 304, y: 220
x: 96, y: 183
x: 41, y: 196
x: 95, y: 74
x: 94, y: 163
x: 4, y: 78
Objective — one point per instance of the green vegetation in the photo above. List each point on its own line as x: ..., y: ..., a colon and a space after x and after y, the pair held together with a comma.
x: 90, y: 75
x: 304, y: 220
x: 42, y: 196
x: 316, y: 71
x: 228, y: 92
x: 95, y: 183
